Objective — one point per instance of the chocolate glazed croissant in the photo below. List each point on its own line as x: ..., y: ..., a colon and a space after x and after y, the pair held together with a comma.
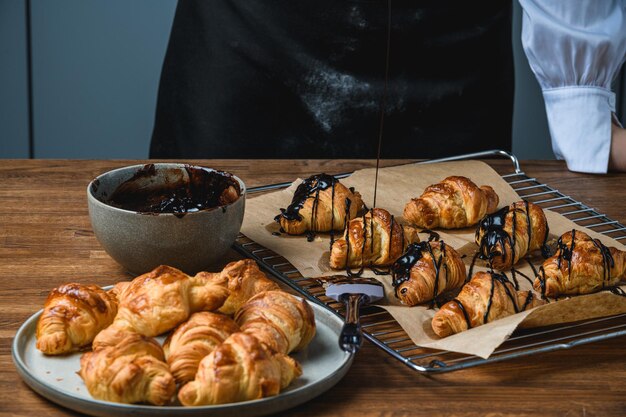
x: 512, y: 232
x: 374, y: 239
x: 186, y: 346
x: 72, y: 317
x: 279, y: 320
x: 133, y: 371
x: 158, y: 301
x: 488, y: 296
x: 320, y: 204
x: 581, y: 265
x: 426, y: 270
x: 239, y: 369
x: 453, y: 203
x: 243, y: 279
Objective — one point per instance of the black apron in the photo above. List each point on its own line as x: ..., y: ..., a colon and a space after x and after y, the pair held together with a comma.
x: 305, y: 79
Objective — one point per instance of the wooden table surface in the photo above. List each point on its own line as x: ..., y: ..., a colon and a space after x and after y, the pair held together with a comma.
x: 46, y: 240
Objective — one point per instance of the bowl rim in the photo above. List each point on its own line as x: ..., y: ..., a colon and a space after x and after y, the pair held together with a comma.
x: 91, y: 197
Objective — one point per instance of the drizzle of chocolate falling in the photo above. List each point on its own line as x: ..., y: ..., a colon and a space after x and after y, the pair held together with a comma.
x: 383, y: 102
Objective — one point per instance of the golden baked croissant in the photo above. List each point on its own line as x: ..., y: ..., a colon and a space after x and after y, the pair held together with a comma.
x: 243, y: 279
x: 186, y: 346
x: 133, y: 371
x: 581, y: 265
x: 279, y: 320
x: 509, y: 234
x: 374, y: 239
x: 239, y: 369
x: 73, y: 315
x: 320, y: 204
x: 426, y: 270
x: 453, y: 203
x: 158, y: 301
x: 488, y: 296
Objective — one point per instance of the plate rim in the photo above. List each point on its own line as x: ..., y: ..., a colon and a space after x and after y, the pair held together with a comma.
x: 283, y: 401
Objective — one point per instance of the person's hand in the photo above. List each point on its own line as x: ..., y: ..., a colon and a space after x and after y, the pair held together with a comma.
x: 617, y: 157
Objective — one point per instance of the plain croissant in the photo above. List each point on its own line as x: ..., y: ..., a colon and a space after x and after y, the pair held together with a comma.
x: 72, y: 317
x: 375, y: 239
x: 509, y: 234
x: 279, y: 320
x: 158, y: 301
x: 186, y: 346
x: 453, y: 203
x: 488, y: 296
x: 133, y: 371
x: 320, y: 204
x: 243, y: 279
x: 239, y: 369
x: 426, y: 270
x: 581, y: 265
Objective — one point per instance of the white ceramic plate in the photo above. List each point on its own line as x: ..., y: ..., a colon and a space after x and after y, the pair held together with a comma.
x: 54, y: 377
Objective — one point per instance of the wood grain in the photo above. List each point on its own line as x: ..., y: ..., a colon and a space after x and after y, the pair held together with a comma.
x: 46, y: 240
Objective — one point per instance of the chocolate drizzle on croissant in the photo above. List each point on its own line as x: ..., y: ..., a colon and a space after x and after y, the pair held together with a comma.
x: 307, y: 198
x: 501, y: 239
x: 580, y: 265
x: 374, y: 239
x: 313, y: 184
x: 417, y: 275
x: 486, y: 297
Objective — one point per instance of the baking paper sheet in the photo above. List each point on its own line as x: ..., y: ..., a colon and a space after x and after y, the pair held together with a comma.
x: 396, y: 186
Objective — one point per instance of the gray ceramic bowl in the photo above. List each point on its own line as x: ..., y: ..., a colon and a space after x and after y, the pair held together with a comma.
x: 141, y: 241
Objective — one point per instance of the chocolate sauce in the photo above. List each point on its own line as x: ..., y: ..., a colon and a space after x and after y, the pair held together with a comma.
x: 202, y: 189
x: 617, y: 291
x: 565, y: 253
x: 368, y: 236
x: 311, y: 188
x: 462, y: 307
x: 401, y: 268
x: 495, y: 235
x: 431, y: 235
x: 503, y: 280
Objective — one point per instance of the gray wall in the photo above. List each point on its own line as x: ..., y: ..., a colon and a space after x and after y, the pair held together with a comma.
x: 96, y: 66
x: 13, y: 80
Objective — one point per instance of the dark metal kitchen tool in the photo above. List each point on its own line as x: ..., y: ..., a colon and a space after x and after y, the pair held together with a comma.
x: 353, y: 292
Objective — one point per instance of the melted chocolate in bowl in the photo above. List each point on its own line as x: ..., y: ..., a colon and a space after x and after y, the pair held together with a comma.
x: 174, y: 190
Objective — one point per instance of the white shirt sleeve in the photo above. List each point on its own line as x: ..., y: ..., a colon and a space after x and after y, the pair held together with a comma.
x: 576, y: 48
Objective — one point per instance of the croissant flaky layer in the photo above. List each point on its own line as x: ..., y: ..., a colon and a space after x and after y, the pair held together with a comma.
x: 193, y: 340
x: 133, y: 371
x: 453, y: 203
x: 375, y: 239
x: 581, y: 265
x: 426, y: 270
x: 158, y: 301
x: 279, y: 320
x: 239, y: 369
x: 511, y: 233
x: 320, y: 204
x: 72, y: 317
x: 243, y: 279
x: 488, y: 296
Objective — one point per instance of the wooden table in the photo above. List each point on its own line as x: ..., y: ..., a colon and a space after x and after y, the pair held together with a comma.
x: 46, y: 239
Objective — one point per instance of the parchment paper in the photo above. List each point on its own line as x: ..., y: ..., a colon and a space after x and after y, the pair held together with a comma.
x: 396, y: 186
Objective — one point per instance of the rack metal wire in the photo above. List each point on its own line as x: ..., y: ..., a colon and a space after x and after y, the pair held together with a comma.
x: 381, y: 328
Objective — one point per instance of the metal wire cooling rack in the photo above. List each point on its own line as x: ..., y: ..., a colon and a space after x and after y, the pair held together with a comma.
x: 383, y: 330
